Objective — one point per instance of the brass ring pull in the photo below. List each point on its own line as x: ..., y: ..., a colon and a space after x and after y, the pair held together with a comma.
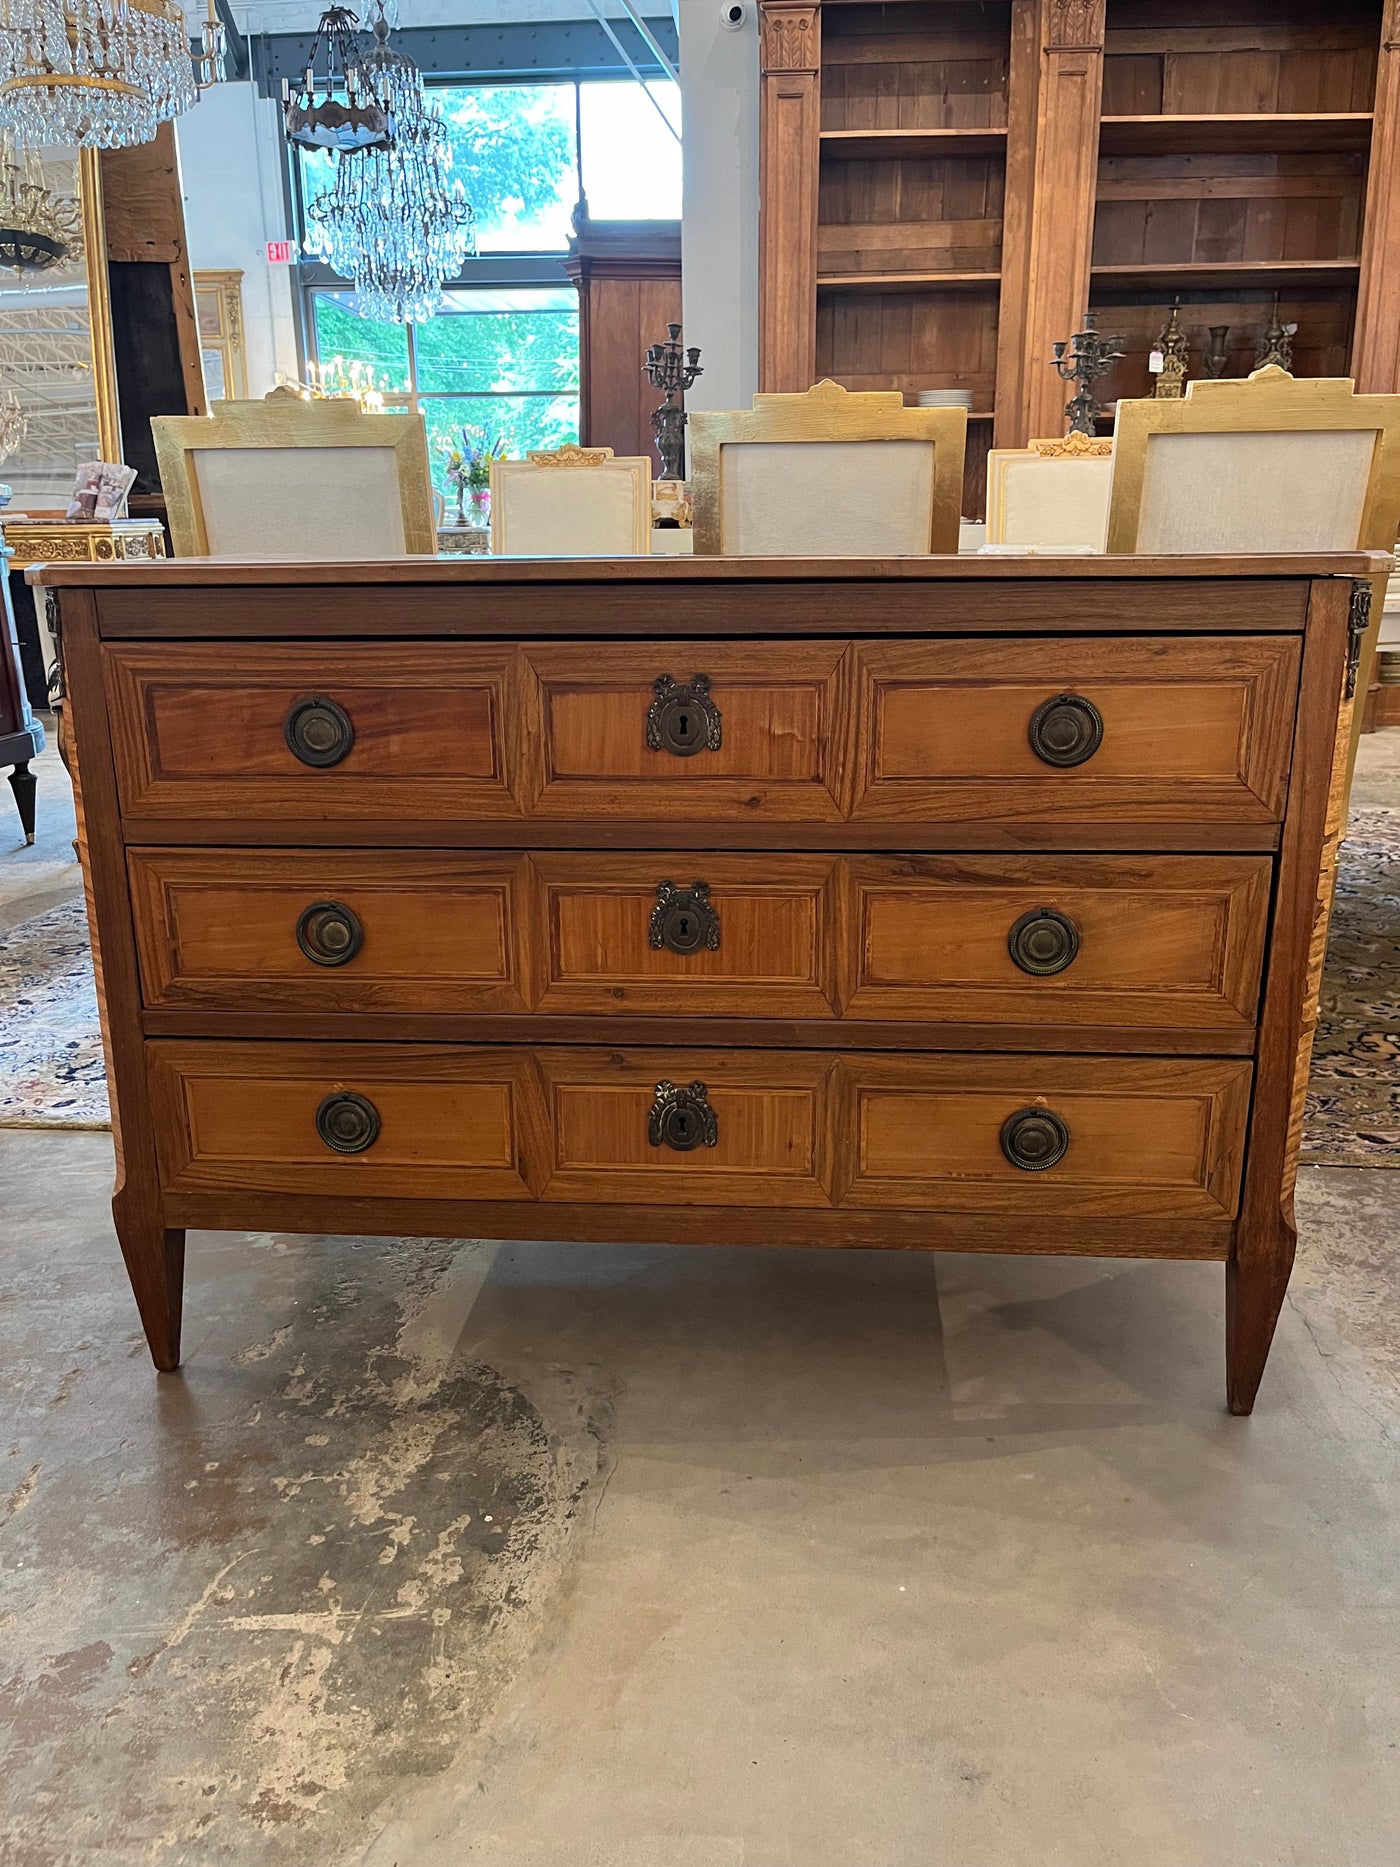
x: 1066, y: 731
x: 683, y: 719
x: 329, y: 933
x: 682, y: 1118
x: 1034, y: 1139
x: 348, y: 1123
x: 318, y: 731
x: 1043, y: 942
x: 683, y: 920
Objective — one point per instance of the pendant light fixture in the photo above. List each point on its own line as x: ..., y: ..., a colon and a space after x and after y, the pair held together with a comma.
x: 394, y: 222
x: 99, y: 74
x: 38, y: 228
x: 316, y: 117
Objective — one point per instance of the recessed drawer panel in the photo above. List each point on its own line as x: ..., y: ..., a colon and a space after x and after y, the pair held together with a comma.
x: 1133, y: 729
x: 686, y: 730
x: 321, y: 930
x: 1086, y: 1137
x: 358, y: 1120
x: 1094, y: 940
x: 748, y: 935
x: 329, y: 729
x: 726, y: 1128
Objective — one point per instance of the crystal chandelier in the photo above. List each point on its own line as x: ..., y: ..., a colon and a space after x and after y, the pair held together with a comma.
x: 38, y: 228
x: 323, y: 122
x: 99, y: 73
x: 14, y: 423
x: 393, y: 222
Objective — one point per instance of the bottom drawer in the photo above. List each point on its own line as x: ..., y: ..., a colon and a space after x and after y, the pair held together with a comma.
x: 1073, y: 1137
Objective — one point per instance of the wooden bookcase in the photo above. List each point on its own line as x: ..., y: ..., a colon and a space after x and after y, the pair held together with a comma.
x: 948, y: 184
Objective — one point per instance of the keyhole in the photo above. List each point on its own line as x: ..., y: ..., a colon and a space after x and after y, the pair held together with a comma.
x: 682, y: 1124
x: 683, y: 725
x: 685, y: 926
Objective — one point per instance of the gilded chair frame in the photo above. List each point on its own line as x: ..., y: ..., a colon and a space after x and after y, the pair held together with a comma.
x: 1268, y: 402
x: 827, y: 412
x: 286, y: 422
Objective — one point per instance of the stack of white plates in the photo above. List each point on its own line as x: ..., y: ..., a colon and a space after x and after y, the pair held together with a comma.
x: 944, y: 398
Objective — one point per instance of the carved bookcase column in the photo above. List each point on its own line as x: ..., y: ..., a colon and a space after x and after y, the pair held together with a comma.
x: 790, y: 162
x: 1376, y: 350
x: 1062, y: 217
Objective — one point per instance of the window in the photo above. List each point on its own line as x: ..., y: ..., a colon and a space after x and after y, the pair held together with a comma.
x: 630, y: 163
x: 500, y: 361
x: 525, y: 152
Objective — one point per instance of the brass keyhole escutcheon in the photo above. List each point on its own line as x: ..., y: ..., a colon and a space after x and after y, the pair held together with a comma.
x: 682, y: 1119
x: 348, y: 1123
x: 1066, y: 731
x: 1043, y: 942
x: 683, y: 920
x: 318, y: 732
x: 1034, y: 1139
x: 683, y: 719
x: 329, y: 933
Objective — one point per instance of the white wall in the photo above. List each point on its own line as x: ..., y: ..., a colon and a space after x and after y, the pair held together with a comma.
x: 719, y: 223
x: 231, y: 157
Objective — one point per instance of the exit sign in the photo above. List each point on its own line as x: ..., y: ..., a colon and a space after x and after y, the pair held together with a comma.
x: 279, y: 252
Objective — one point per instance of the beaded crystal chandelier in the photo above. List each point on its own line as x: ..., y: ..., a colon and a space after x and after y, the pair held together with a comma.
x: 101, y: 74
x: 394, y: 222
x: 38, y: 228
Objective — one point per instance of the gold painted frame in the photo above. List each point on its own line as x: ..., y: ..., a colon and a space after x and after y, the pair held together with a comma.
x: 1268, y: 402
x: 225, y: 286
x: 571, y: 457
x: 827, y: 412
x: 1002, y: 460
x: 290, y: 422
x: 99, y: 299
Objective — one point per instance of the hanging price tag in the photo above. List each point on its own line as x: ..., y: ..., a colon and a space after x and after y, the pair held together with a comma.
x: 1157, y: 362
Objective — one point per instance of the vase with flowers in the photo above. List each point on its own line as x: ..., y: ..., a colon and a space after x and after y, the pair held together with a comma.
x: 468, y: 472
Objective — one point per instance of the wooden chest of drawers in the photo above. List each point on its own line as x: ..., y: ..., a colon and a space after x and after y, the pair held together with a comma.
x: 974, y: 904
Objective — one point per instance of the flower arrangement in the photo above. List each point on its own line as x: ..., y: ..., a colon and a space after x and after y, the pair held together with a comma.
x: 469, y: 468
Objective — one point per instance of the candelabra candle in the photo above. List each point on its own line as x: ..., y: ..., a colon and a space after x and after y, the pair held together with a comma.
x: 672, y: 371
x: 1090, y: 356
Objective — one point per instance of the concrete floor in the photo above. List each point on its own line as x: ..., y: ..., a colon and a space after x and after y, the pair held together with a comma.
x: 559, y: 1556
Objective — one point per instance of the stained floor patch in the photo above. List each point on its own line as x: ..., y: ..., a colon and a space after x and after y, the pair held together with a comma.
x: 239, y: 1607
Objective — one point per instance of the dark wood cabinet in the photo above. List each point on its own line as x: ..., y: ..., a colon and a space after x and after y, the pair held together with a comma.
x: 949, y: 186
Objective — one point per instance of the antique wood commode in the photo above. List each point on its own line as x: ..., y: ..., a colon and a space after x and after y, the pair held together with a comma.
x: 973, y: 904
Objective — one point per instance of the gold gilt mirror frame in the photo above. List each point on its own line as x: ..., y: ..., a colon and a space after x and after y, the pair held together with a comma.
x: 56, y: 347
x: 104, y: 361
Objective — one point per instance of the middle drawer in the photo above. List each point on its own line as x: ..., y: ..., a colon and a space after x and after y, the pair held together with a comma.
x: 1148, y: 942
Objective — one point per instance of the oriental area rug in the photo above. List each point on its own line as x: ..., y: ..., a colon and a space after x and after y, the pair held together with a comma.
x: 51, y: 1072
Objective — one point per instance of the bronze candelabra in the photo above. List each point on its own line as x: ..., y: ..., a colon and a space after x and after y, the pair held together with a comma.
x: 1089, y: 357
x: 672, y: 371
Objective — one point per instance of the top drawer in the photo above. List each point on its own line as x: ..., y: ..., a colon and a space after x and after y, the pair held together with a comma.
x: 1029, y: 729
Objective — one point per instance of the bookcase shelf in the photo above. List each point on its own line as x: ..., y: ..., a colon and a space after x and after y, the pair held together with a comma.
x: 879, y: 145
x: 948, y: 186
x: 1219, y: 134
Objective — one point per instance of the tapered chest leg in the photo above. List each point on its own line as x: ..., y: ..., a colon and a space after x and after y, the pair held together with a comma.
x: 155, y: 1263
x: 1256, y: 1282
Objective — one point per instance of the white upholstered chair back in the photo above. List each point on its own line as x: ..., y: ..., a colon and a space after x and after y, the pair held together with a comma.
x: 571, y: 502
x: 1051, y: 495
